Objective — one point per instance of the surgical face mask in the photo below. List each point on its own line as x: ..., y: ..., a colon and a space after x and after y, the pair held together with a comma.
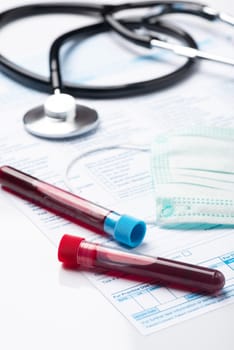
x: 193, y: 177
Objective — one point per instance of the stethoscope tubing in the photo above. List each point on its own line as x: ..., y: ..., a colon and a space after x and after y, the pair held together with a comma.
x: 43, y: 84
x: 24, y: 11
x: 20, y: 74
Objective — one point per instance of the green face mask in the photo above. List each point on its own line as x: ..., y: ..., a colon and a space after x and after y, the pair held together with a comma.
x: 193, y: 175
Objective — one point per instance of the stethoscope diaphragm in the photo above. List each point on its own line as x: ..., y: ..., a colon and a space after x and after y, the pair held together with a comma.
x: 60, y: 118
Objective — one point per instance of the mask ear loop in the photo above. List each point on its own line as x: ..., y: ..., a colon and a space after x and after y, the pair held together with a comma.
x: 134, y: 147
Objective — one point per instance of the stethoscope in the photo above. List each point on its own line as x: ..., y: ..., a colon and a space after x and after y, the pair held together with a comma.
x: 60, y: 117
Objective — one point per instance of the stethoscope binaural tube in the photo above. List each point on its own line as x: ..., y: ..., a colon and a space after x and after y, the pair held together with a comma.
x: 195, y: 9
x: 150, y: 22
x: 158, y: 8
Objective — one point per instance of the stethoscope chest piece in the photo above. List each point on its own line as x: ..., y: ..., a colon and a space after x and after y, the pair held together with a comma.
x: 60, y: 118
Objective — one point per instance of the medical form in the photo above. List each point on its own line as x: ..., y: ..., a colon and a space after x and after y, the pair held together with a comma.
x: 120, y: 178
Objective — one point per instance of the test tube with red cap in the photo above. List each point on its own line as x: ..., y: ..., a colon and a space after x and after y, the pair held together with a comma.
x: 78, y: 252
x: 125, y: 229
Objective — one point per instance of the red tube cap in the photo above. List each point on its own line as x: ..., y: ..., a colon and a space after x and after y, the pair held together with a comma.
x: 67, y: 250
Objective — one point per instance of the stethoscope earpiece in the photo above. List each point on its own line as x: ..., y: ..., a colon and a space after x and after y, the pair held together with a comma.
x: 60, y: 118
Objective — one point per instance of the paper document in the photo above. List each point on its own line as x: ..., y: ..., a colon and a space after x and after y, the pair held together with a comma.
x: 120, y: 178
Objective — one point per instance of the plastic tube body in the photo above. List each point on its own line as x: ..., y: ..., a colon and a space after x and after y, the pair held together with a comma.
x: 124, y: 228
x: 78, y: 252
x: 53, y: 198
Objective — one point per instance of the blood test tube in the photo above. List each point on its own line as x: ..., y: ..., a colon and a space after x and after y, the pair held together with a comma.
x: 125, y: 229
x: 77, y: 252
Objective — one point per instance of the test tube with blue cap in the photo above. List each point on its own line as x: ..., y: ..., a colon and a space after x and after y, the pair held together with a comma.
x: 125, y: 229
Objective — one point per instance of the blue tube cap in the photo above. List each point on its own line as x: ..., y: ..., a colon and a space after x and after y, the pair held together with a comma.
x: 125, y: 229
